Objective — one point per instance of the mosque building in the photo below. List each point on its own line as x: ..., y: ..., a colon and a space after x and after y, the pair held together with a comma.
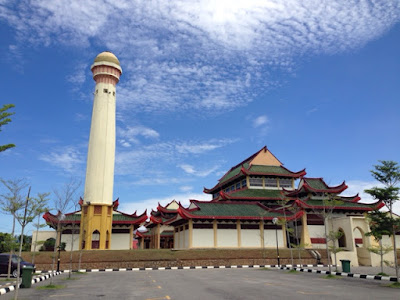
x: 258, y: 203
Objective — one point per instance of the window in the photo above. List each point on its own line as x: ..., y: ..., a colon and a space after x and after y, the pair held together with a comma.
x: 105, y: 91
x: 271, y: 182
x: 232, y: 188
x: 244, y: 183
x: 342, y: 239
x: 256, y: 181
x: 285, y: 182
x: 95, y: 239
x: 238, y: 185
x: 97, y: 210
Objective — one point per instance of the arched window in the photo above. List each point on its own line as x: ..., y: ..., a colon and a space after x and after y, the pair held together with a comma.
x: 96, y: 239
x: 342, y: 239
x: 358, y: 237
x: 107, y: 239
x: 84, y: 239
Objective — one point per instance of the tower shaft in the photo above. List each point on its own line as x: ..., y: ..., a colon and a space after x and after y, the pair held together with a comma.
x: 96, y: 218
x: 101, y: 152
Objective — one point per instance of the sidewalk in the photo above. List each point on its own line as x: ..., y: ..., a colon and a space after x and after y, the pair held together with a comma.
x: 362, y: 270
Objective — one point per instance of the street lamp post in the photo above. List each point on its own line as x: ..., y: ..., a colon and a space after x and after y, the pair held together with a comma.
x: 61, y: 217
x: 59, y: 257
x: 275, y: 221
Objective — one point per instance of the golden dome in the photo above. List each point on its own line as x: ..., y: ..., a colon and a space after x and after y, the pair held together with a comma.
x: 107, y: 56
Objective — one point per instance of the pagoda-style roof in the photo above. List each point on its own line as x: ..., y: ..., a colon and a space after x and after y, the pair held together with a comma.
x: 261, y: 163
x: 250, y: 194
x: 75, y: 218
x: 342, y: 203
x: 163, y: 213
x: 229, y: 210
x: 316, y: 185
x: 169, y: 208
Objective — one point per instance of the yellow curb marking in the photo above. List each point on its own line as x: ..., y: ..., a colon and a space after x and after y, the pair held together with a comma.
x: 274, y: 284
x: 312, y: 293
x: 166, y: 297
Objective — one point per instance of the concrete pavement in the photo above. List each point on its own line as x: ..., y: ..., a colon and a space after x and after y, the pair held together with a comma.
x: 210, y: 284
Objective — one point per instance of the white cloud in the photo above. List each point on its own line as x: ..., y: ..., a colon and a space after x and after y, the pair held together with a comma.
x: 189, y: 169
x: 158, y: 181
x: 80, y: 117
x: 129, y: 135
x: 201, y: 147
x: 186, y: 188
x: 259, y: 121
x: 199, y: 54
x: 79, y: 75
x: 152, y: 203
x: 358, y: 186
x: 312, y: 110
x: 68, y: 158
x: 144, y: 158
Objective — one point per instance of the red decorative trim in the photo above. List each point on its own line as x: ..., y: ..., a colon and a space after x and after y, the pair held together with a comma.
x: 244, y: 171
x: 115, y: 204
x: 318, y: 240
x: 164, y: 208
x: 186, y: 214
x: 366, y: 207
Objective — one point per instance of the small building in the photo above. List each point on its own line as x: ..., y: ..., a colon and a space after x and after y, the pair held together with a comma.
x: 260, y: 203
x: 121, y: 234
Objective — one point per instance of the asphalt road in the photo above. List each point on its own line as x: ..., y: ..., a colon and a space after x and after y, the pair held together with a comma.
x: 209, y: 284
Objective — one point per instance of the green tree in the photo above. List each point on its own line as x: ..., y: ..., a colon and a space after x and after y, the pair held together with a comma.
x: 329, y: 202
x: 26, y: 242
x: 4, y: 120
x: 334, y: 236
x: 388, y: 174
x: 7, y: 242
x: 11, y: 203
x: 41, y: 200
x: 380, y: 224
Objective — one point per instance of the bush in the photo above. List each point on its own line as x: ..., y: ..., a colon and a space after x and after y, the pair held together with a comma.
x: 49, y: 244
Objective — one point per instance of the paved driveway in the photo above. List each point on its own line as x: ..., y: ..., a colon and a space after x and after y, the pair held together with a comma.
x: 209, y: 284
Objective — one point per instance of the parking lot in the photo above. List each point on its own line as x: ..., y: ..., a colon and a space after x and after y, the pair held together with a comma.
x: 208, y: 284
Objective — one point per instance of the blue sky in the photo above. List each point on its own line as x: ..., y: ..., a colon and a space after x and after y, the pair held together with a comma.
x: 205, y: 84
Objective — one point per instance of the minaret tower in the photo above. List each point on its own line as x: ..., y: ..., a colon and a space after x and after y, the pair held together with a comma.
x: 96, y: 218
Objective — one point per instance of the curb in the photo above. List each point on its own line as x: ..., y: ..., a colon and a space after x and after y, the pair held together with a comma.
x: 186, y: 268
x: 343, y: 274
x: 11, y: 288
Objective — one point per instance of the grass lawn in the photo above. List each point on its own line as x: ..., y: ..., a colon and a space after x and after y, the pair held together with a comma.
x: 51, y: 287
x: 89, y: 256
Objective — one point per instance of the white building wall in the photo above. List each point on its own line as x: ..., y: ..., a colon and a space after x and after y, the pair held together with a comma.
x: 186, y: 233
x: 250, y: 238
x: 227, y: 238
x: 270, y: 238
x: 41, y: 237
x: 120, y: 241
x: 181, y: 239
x: 317, y: 231
x: 67, y: 239
x: 203, y: 238
x: 397, y: 240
